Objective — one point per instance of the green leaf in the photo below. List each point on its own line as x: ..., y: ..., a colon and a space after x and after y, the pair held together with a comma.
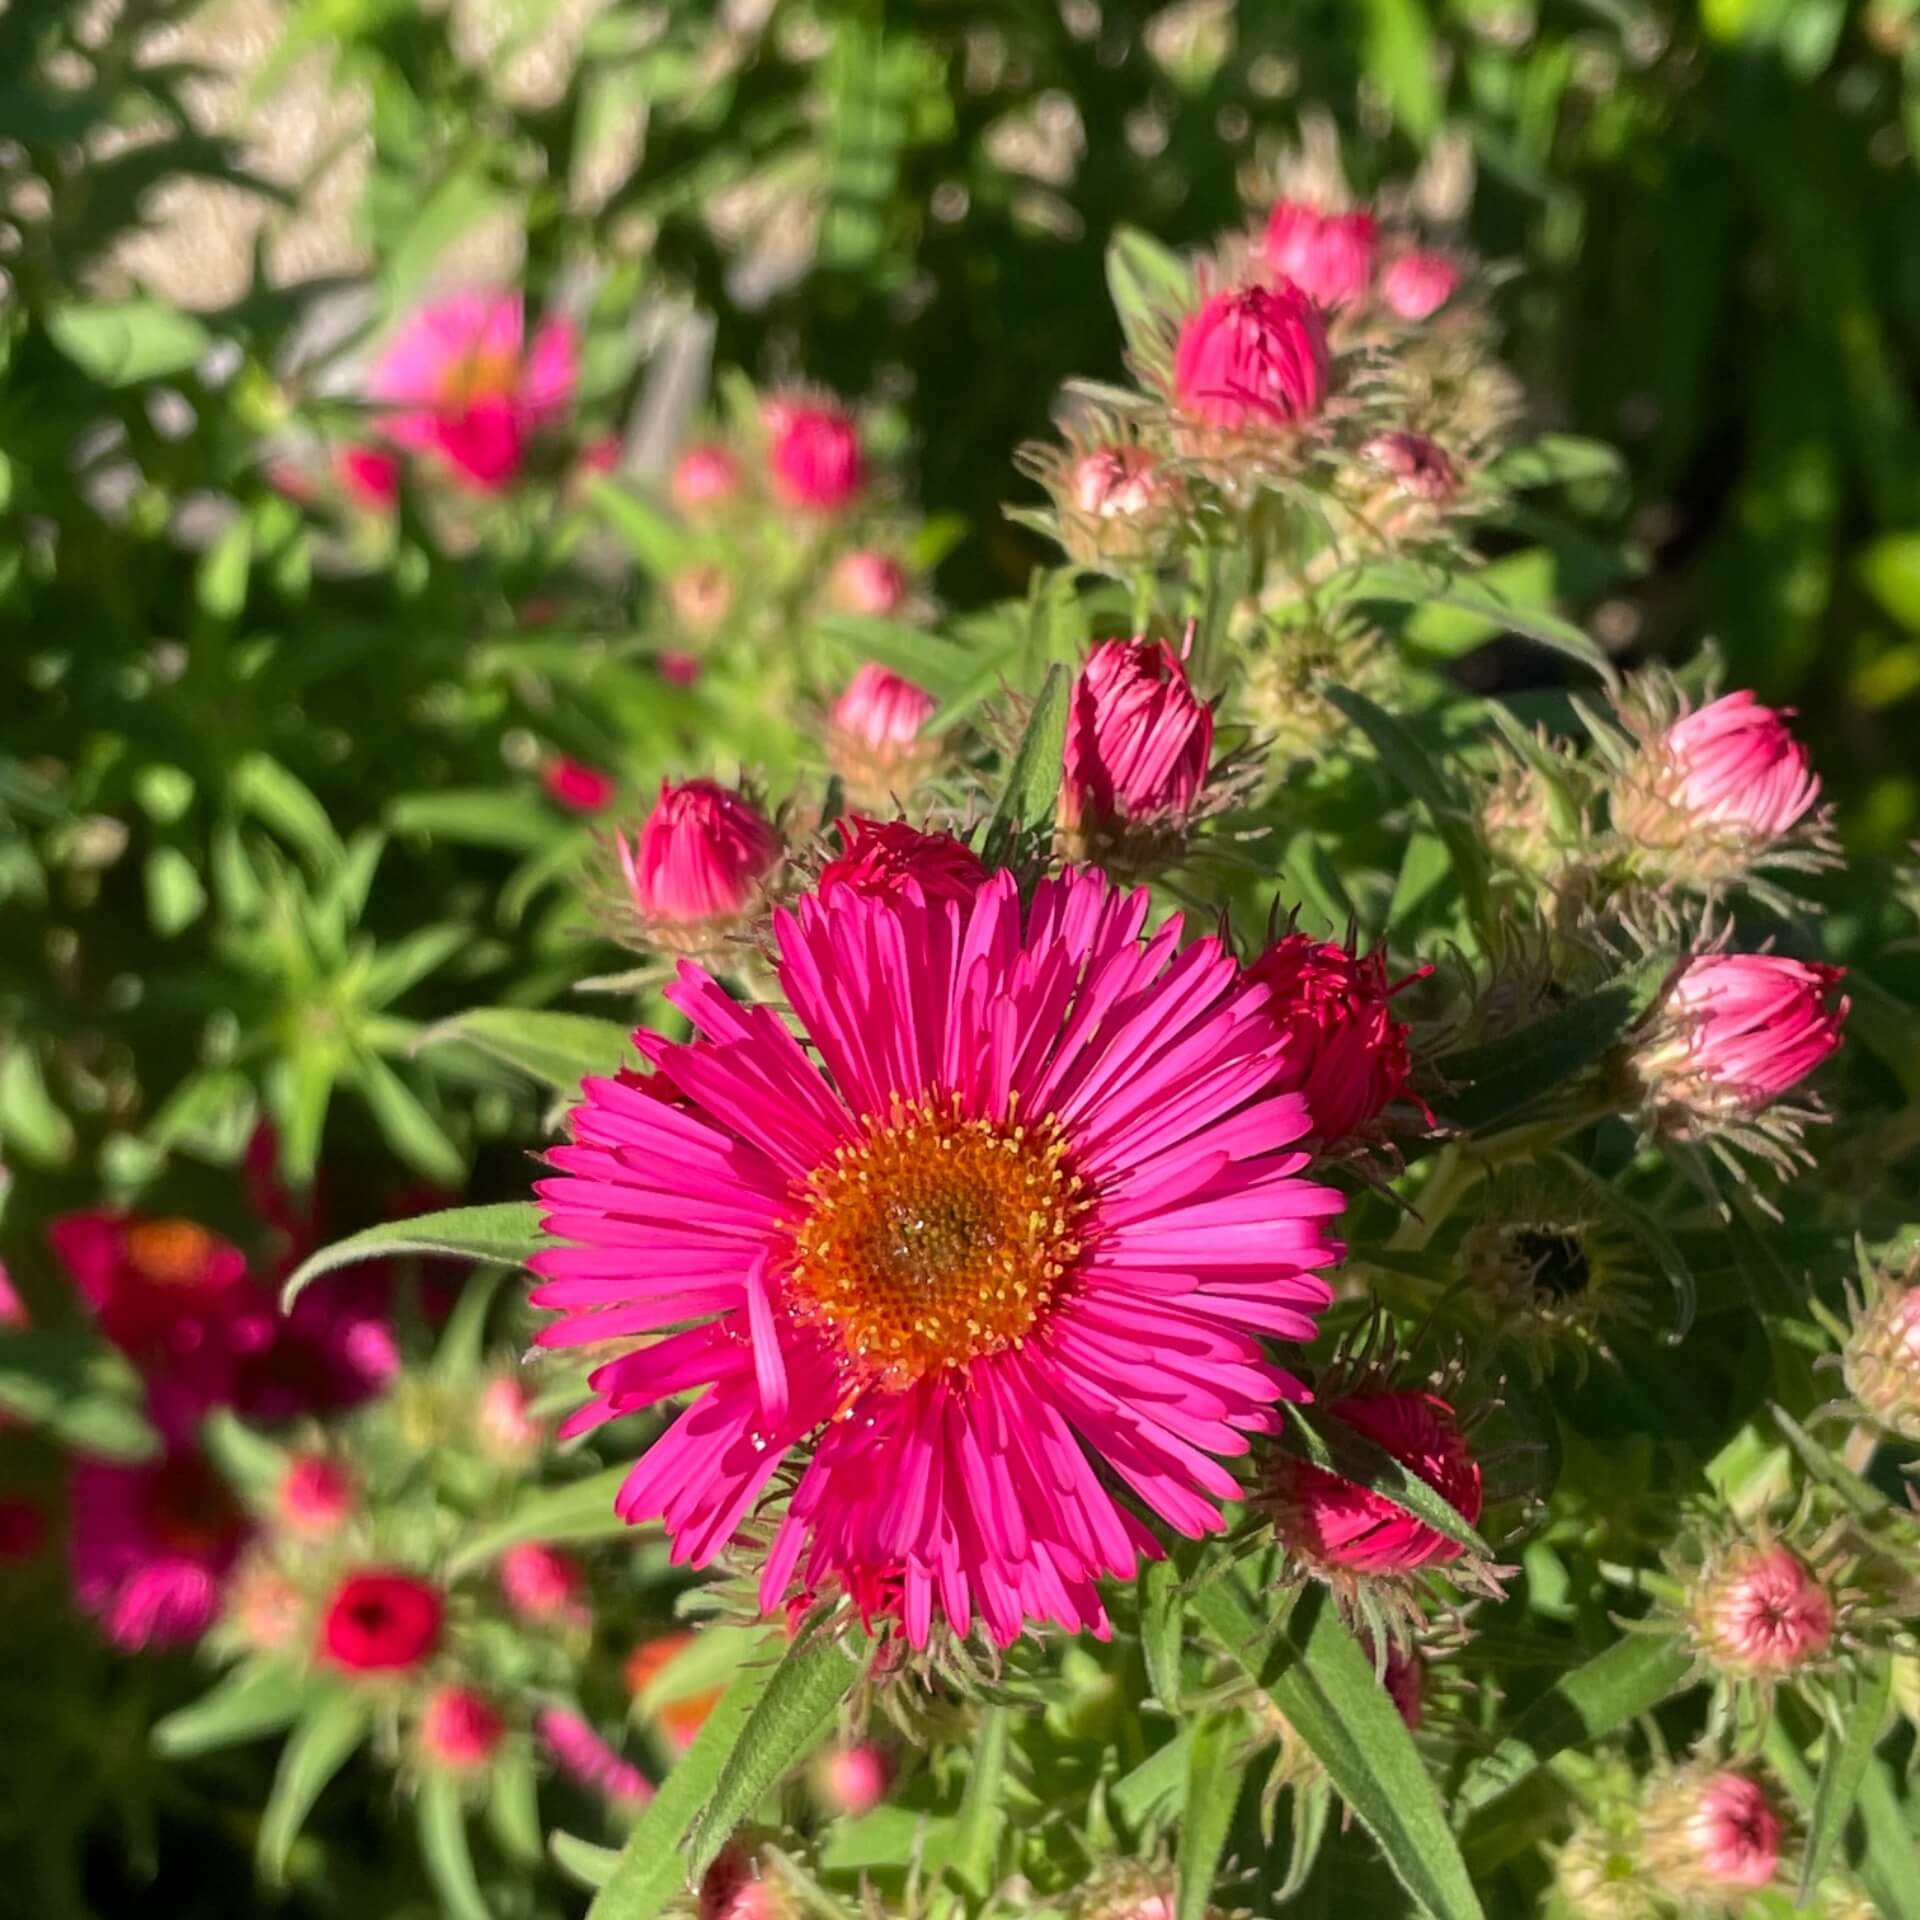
x: 121, y: 343
x: 983, y: 1807
x: 1849, y: 1753
x: 258, y: 1697
x: 473, y: 816
x: 409, y: 961
x: 1889, y: 569
x: 1499, y: 1081
x: 32, y: 1126
x: 1163, y: 1610
x: 1555, y: 460
x: 1325, y: 1686
x: 1408, y: 762
x: 1214, y: 1779
x: 1891, y: 1868
x: 1025, y: 811
x: 1402, y: 61
x: 1339, y: 1450
x: 220, y: 581
x: 175, y: 896
x: 246, y: 1458
x: 577, y: 1510
x: 708, y: 1663
x: 409, y: 1129
x: 1861, y: 1495
x: 260, y: 785
x: 82, y: 1393
x: 558, y: 1049
x: 513, y: 1806
x: 1151, y: 1791
x: 592, y: 1866
x: 1148, y: 282
x: 652, y: 1869
x: 323, y: 1741
x: 659, y: 545
x: 443, y: 1846
x: 508, y: 1232
x: 1631, y: 1677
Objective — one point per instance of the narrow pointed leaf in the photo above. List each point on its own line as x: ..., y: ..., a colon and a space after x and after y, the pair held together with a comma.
x: 592, y: 1866
x: 577, y: 1510
x: 983, y: 1807
x: 1146, y: 281
x: 513, y: 1807
x: 1849, y: 1753
x: 1033, y: 783
x: 1317, y: 1675
x: 558, y: 1049
x: 1214, y: 1780
x: 443, y: 1846
x: 509, y: 1232
x: 1162, y: 1623
x: 1339, y: 1450
x: 319, y: 1746
x: 257, y: 1697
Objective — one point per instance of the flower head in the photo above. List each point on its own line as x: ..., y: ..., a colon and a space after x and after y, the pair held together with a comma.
x: 1712, y: 1834
x: 576, y: 786
x: 1334, y: 1523
x: 151, y: 1545
x: 315, y: 1494
x: 1139, y: 741
x: 1329, y: 256
x: 813, y: 456
x: 699, y: 863
x: 1738, y: 1031
x: 704, y: 477
x: 1027, y: 1195
x: 1418, y: 466
x: 1349, y: 1054
x: 854, y: 1780
x: 585, y: 1758
x: 874, y: 735
x: 1760, y: 1610
x: 163, y: 1291
x: 889, y: 859
x: 1252, y: 358
x: 869, y: 582
x: 381, y: 1621
x: 465, y: 386
x: 504, y: 1422
x: 1418, y: 284
x: 1117, y: 482
x: 460, y: 1730
x: 541, y: 1583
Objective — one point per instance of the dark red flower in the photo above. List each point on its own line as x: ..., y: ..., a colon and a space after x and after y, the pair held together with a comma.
x: 890, y: 858
x: 381, y: 1621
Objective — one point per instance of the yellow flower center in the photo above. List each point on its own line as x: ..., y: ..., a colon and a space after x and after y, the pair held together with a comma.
x: 169, y: 1253
x: 935, y: 1240
x: 475, y: 377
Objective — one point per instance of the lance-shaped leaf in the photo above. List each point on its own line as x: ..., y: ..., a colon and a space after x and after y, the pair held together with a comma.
x: 508, y: 1233
x: 1215, y: 1775
x: 1147, y: 282
x: 1337, y: 1449
x: 443, y: 1846
x: 983, y: 1808
x: 558, y: 1049
x: 1025, y: 811
x: 260, y: 1696
x: 577, y: 1510
x: 1316, y: 1674
x: 319, y: 1746
x: 84, y: 1394
x: 1849, y: 1753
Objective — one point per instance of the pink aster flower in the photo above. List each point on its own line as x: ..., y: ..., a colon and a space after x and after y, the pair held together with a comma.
x: 460, y: 1729
x: 1734, y: 1831
x: 504, y: 1422
x: 1117, y: 483
x: 813, y: 455
x: 1139, y: 739
x: 1732, y: 769
x: 700, y: 861
x: 1741, y: 1029
x: 464, y: 384
x: 576, y: 786
x: 315, y: 1494
x: 1350, y: 1054
x: 704, y: 477
x: 1328, y: 255
x: 585, y: 1758
x: 151, y: 1545
x: 1335, y: 1523
x: 1252, y: 358
x: 1417, y: 465
x: 1018, y: 1196
x: 874, y: 735
x: 1760, y: 1609
x: 1418, y: 284
x: 853, y: 1780
x: 868, y: 582
x: 889, y: 859
x: 369, y: 477
x: 541, y: 1583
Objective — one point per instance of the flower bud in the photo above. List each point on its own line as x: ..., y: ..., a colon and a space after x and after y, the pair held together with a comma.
x: 1349, y: 1054
x: 868, y: 582
x: 704, y: 477
x: 1739, y: 1030
x: 1334, y: 1523
x: 1327, y: 255
x: 381, y: 1621
x: 1759, y: 1610
x: 1139, y: 741
x: 316, y: 1494
x: 873, y: 736
x: 576, y: 786
x: 1711, y: 1836
x: 813, y: 456
x: 504, y: 1425
x: 699, y: 864
x: 264, y: 1608
x: 702, y: 597
x: 543, y: 1585
x: 854, y: 1780
x: 1881, y: 1359
x: 1418, y: 284
x: 1731, y: 771
x: 1252, y: 358
x: 1116, y: 483
x: 888, y: 858
x: 1598, y: 1874
x: 1417, y: 467
x: 460, y: 1730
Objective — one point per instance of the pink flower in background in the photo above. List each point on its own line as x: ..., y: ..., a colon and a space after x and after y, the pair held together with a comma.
x: 13, y: 1310
x: 678, y: 669
x: 368, y: 477
x: 1741, y: 1029
x: 1328, y: 255
x: 460, y: 1729
x: 541, y: 1583
x: 1139, y: 739
x: 854, y: 1780
x: 1348, y: 1054
x: 464, y: 383
x: 813, y: 455
x: 874, y: 738
x: 151, y: 1545
x: 1736, y: 764
x: 868, y: 582
x: 1086, y: 1121
x: 1760, y: 1609
x: 332, y: 1349
x: 381, y: 1621
x: 889, y: 859
x: 587, y: 1759
x: 1734, y: 1831
x: 23, y: 1527
x: 505, y: 1424
x: 705, y: 476
x: 1418, y: 284
x: 701, y: 597
x: 1420, y: 466
x: 1253, y: 357
x: 1335, y: 1523
x: 576, y: 786
x: 704, y: 854
x: 1117, y: 483
x: 315, y: 1494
